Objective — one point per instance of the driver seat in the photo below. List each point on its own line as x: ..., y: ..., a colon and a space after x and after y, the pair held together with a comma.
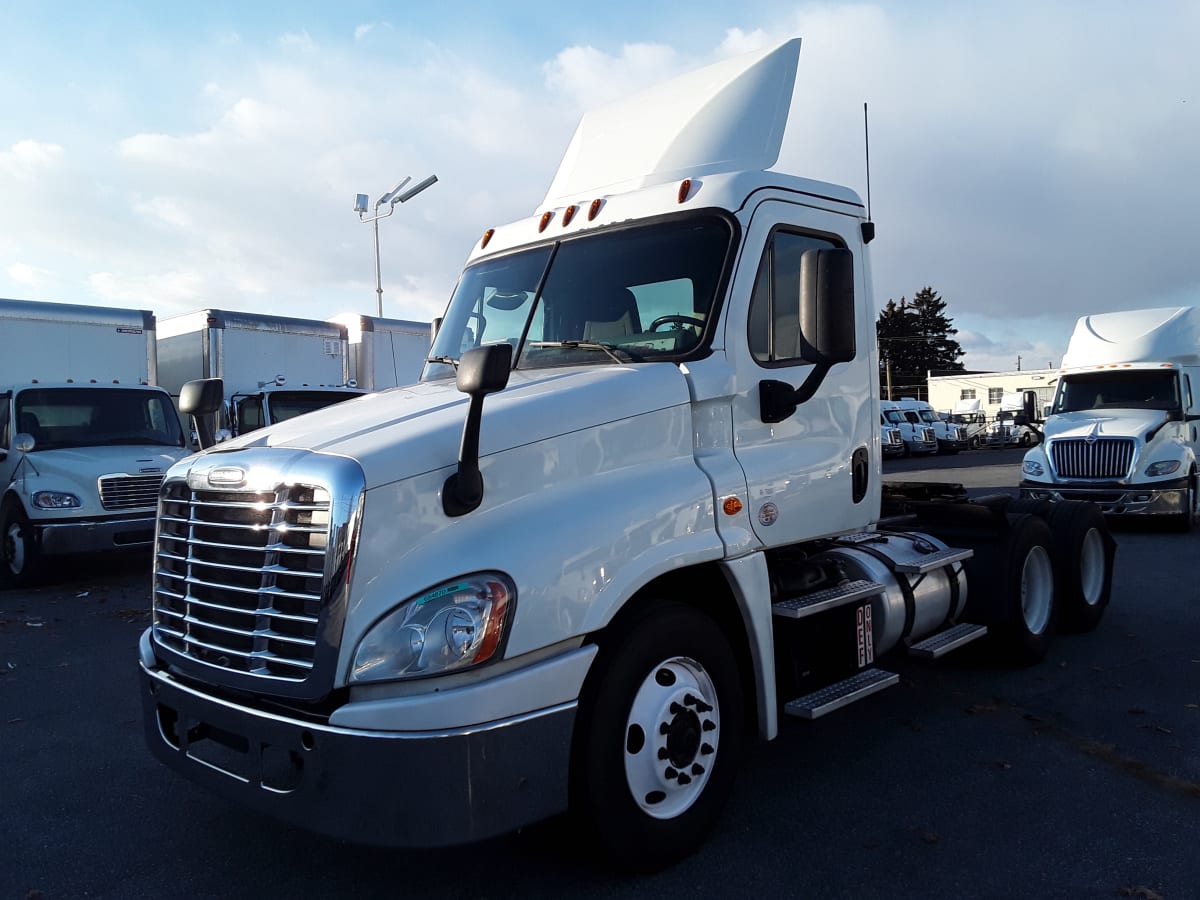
x: 611, y: 314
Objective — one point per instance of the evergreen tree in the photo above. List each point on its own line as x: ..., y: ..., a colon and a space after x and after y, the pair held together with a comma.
x: 915, y: 338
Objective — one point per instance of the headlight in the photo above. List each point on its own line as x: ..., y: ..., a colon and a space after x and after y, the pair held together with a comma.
x: 1166, y: 467
x: 1032, y: 467
x: 55, y: 500
x: 453, y: 626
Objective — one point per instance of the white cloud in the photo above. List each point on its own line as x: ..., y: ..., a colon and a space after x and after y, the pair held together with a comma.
x: 28, y: 159
x: 167, y: 210
x: 173, y: 291
x: 363, y: 30
x: 589, y: 77
x: 29, y: 276
x: 298, y: 41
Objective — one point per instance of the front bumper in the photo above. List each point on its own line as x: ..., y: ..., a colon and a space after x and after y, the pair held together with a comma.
x: 922, y: 446
x: 397, y: 789
x: 1165, y: 499
x: 94, y: 536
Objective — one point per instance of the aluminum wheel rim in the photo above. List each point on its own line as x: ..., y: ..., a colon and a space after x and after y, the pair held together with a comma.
x: 1037, y: 589
x: 1091, y: 567
x: 14, y: 549
x: 671, y: 738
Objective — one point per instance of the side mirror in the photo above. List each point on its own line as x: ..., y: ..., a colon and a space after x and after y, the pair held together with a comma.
x: 24, y: 442
x: 200, y: 399
x: 481, y: 371
x: 434, y: 327
x: 1029, y: 407
x: 827, y: 306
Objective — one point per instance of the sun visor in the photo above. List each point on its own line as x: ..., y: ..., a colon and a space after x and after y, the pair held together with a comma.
x: 727, y: 117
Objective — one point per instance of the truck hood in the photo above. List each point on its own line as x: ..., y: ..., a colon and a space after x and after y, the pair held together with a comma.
x: 403, y: 432
x: 1131, y: 423
x: 76, y: 470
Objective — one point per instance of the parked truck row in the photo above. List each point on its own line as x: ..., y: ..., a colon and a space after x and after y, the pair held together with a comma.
x: 630, y: 517
x: 88, y: 417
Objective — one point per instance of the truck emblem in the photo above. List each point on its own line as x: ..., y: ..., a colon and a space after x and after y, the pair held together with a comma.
x: 1092, y: 437
x: 226, y: 476
x: 768, y: 514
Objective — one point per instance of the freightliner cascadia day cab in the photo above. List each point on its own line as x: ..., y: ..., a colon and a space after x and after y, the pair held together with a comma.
x: 631, y: 515
x: 385, y: 353
x: 85, y: 436
x: 916, y: 435
x: 1122, y: 431
x: 273, y: 367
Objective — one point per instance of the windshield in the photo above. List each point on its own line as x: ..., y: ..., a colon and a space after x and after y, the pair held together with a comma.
x: 284, y: 405
x: 1128, y: 389
x: 633, y: 294
x: 928, y: 415
x: 896, y: 416
x: 97, y: 417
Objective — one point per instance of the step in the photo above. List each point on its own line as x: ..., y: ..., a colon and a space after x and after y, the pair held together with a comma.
x: 931, y: 561
x: 856, y: 687
x: 943, y: 642
x: 827, y: 598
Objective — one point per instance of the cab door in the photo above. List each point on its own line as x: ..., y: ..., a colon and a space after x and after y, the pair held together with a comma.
x: 813, y: 471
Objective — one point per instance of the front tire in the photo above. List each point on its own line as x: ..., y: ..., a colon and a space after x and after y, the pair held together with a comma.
x: 20, y: 560
x: 659, y: 736
x: 1187, y: 518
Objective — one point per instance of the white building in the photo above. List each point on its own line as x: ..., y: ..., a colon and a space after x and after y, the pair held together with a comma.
x: 988, y: 387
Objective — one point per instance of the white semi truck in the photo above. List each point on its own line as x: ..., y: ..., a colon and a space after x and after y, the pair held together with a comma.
x: 632, y: 514
x: 917, y: 435
x: 273, y: 367
x: 85, y: 436
x: 385, y: 353
x: 1122, y: 430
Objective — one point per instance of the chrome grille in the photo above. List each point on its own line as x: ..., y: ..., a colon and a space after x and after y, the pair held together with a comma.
x: 239, y: 577
x: 893, y: 437
x: 129, y: 491
x: 1102, y: 458
x: 928, y: 436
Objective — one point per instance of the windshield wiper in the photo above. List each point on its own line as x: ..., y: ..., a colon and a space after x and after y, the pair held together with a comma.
x: 610, y: 349
x: 445, y: 360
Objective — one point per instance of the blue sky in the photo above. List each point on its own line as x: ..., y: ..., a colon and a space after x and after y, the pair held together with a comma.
x: 1032, y: 162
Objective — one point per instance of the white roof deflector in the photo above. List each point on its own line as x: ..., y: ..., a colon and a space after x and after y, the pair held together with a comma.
x: 727, y: 117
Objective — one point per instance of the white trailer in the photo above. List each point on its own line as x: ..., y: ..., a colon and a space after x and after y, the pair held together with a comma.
x: 632, y: 515
x: 85, y: 436
x: 385, y: 353
x: 1122, y: 430
x: 273, y: 368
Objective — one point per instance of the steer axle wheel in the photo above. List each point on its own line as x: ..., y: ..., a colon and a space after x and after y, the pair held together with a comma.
x: 19, y: 557
x: 658, y: 736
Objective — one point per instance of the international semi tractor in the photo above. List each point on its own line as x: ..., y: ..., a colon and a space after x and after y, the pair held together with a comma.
x: 85, y: 435
x: 1122, y: 430
x: 631, y: 516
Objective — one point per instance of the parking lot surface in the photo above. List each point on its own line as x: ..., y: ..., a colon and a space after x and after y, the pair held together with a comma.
x: 1075, y: 778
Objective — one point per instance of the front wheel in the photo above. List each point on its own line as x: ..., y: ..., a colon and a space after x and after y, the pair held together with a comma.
x: 19, y: 557
x: 1187, y: 518
x: 659, y: 737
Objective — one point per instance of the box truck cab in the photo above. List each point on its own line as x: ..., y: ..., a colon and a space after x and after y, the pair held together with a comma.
x: 85, y: 438
x: 273, y: 368
x: 632, y: 513
x: 1122, y: 430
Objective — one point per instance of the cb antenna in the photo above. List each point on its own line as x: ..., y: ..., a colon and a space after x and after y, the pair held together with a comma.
x: 868, y: 227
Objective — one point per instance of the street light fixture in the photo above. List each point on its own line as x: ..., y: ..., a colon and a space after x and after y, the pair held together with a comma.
x: 391, y: 198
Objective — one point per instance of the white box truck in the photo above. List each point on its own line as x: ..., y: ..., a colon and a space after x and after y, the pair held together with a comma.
x: 385, y: 353
x: 1122, y: 429
x: 85, y: 436
x: 970, y: 416
x: 633, y: 514
x: 273, y: 367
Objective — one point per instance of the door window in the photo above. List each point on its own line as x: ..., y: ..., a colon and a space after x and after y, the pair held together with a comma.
x: 775, y: 335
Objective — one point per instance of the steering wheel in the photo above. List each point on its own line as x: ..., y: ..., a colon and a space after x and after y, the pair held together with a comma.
x: 698, y: 324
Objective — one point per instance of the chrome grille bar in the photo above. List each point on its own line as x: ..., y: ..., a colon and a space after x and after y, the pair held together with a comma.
x: 129, y: 491
x: 1101, y: 458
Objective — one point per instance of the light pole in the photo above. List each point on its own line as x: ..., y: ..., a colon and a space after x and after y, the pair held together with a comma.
x: 391, y: 198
